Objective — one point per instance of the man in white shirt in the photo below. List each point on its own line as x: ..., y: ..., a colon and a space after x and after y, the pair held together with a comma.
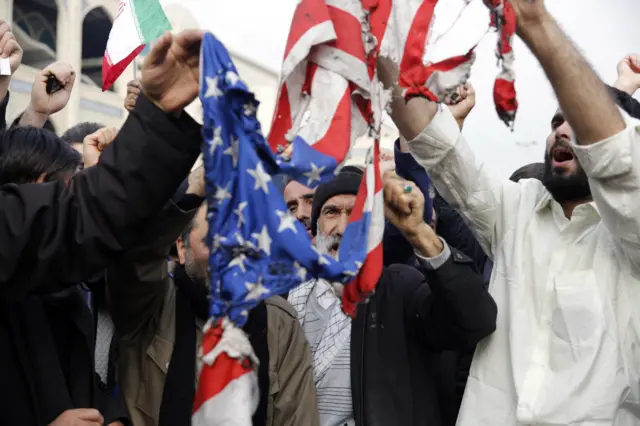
x: 566, y: 252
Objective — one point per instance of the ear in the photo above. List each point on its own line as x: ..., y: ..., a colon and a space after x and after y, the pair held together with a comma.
x: 182, y: 251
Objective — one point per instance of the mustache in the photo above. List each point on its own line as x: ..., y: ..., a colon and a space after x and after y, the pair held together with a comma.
x: 561, y: 143
x: 306, y: 222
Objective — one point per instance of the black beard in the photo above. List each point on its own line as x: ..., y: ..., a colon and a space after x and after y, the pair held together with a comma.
x: 569, y: 187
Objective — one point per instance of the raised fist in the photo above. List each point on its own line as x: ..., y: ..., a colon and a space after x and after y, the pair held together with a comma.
x: 628, y: 74
x: 47, y: 104
x: 9, y: 47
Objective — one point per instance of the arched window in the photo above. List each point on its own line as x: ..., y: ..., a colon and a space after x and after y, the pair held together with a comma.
x: 35, y: 27
x: 95, y: 34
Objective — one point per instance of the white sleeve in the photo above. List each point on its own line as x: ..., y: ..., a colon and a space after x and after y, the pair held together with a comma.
x: 468, y: 187
x: 613, y: 168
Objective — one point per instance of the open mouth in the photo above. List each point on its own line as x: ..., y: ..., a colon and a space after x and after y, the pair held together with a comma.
x: 561, y: 155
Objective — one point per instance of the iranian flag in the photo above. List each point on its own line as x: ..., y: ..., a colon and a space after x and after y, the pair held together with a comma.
x: 137, y: 23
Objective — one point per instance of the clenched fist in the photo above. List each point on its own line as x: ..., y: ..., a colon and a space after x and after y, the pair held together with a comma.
x: 628, y: 74
x: 134, y: 88
x: 9, y: 47
x: 462, y: 102
x: 404, y: 208
x: 95, y: 143
x: 47, y: 104
x: 403, y: 203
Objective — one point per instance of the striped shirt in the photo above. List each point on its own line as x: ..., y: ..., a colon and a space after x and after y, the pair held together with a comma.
x: 328, y: 331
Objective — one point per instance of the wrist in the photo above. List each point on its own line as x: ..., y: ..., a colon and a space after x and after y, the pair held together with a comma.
x: 530, y: 30
x: 424, y: 241
x: 626, y: 86
x: 33, y: 117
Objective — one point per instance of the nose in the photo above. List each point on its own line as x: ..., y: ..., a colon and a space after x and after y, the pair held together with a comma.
x: 564, y: 131
x: 342, y: 223
x: 304, y: 212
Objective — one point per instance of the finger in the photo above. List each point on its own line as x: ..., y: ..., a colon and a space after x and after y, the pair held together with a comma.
x: 62, y: 71
x: 159, y: 50
x: 471, y: 91
x: 89, y: 414
x: 189, y: 39
x: 133, y: 90
x: 4, y: 27
x: 5, y: 42
x: 134, y: 84
x: 391, y: 214
x: 12, y: 47
x: 108, y: 137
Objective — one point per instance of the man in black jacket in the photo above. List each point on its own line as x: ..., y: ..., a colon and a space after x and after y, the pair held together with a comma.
x: 379, y: 368
x: 53, y: 235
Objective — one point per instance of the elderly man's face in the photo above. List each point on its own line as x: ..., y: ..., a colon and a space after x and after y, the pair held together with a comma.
x: 299, y: 199
x: 332, y: 222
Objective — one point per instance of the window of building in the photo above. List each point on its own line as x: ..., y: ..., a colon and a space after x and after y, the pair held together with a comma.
x: 34, y: 27
x: 95, y: 34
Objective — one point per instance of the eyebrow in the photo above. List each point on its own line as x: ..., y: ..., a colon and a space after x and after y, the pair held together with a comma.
x: 307, y: 196
x: 329, y: 207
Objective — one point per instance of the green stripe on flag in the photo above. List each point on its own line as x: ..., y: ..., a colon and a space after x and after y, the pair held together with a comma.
x: 151, y: 21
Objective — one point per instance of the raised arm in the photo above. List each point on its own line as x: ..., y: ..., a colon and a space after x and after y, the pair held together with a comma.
x: 435, y: 141
x: 54, y: 234
x: 583, y: 97
x: 606, y: 141
x: 452, y: 309
x: 137, y: 283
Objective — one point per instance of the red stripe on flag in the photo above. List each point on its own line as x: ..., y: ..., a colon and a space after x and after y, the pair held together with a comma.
x: 412, y: 68
x: 111, y: 72
x: 348, y: 33
x: 214, y: 378
x: 364, y: 284
x: 308, y: 14
x: 416, y: 88
x: 337, y: 139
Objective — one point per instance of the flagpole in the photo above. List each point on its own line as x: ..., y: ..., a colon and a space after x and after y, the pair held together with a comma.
x: 135, y: 69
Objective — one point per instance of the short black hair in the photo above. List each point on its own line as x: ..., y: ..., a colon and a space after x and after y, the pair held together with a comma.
x: 77, y: 133
x: 26, y: 153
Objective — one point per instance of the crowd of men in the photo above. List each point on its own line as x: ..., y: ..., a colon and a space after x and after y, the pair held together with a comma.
x: 502, y: 302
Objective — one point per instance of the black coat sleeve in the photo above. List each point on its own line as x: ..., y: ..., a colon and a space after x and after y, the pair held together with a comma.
x: 457, y: 234
x: 450, y: 307
x: 3, y: 112
x: 51, y: 234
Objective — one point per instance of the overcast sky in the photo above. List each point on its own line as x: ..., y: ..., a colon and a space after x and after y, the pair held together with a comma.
x: 605, y: 30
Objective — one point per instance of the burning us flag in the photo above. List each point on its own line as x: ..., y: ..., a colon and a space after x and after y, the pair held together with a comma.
x: 137, y: 23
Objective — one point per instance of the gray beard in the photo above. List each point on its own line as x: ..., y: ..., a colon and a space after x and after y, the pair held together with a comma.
x: 324, y: 243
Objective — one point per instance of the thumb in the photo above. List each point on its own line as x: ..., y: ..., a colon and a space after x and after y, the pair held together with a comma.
x: 159, y: 50
x: 89, y: 414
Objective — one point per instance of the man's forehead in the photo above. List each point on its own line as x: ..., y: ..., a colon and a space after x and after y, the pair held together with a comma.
x: 342, y: 201
x: 295, y: 189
